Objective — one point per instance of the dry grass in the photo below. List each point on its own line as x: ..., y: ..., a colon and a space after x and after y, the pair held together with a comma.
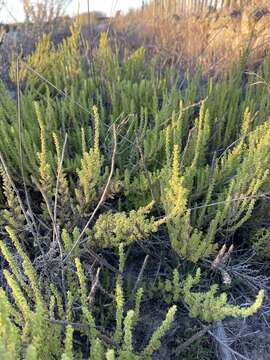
x: 210, y: 39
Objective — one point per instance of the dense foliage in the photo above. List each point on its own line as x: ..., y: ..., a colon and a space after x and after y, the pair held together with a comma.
x: 108, y: 155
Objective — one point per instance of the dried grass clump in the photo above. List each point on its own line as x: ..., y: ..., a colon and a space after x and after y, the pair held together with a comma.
x: 210, y: 39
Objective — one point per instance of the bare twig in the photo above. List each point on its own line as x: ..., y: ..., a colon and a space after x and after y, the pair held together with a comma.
x: 10, y: 13
x: 101, y: 260
x: 56, y: 232
x: 60, y: 165
x: 141, y: 273
x: 224, y: 345
x: 231, y: 201
x: 223, y: 352
x: 94, y: 288
x: 191, y: 340
x: 111, y: 14
x: 194, y: 105
x: 186, y: 147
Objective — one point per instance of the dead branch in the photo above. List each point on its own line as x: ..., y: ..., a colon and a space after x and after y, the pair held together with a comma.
x: 94, y: 288
x: 140, y: 274
x: 225, y: 350
x: 191, y: 340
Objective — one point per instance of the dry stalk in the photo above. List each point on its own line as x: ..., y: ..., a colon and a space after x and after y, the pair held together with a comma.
x: 181, y: 348
x: 94, y: 288
x: 140, y: 274
x: 227, y: 351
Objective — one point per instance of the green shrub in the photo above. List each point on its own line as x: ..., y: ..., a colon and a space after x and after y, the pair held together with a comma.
x: 31, y: 325
x: 191, y: 163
